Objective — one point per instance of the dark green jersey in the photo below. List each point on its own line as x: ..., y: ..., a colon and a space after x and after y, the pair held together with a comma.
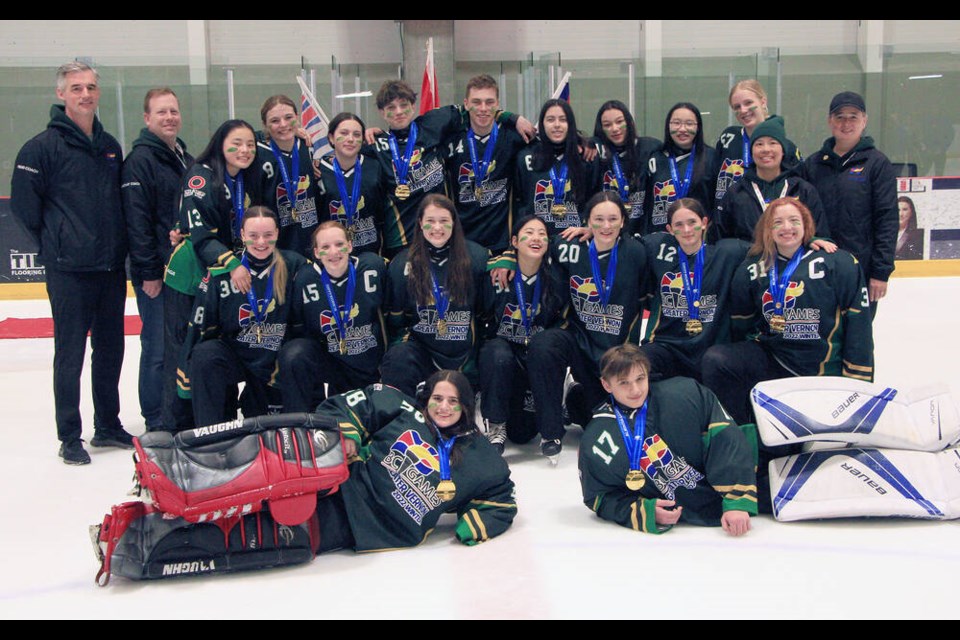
x: 425, y: 173
x: 664, y: 186
x: 298, y: 213
x: 223, y: 313
x: 828, y: 329
x: 506, y: 319
x: 599, y: 326
x: 693, y: 453
x: 367, y: 222
x: 631, y: 182
x: 207, y: 217
x: 486, y: 219
x: 409, y: 320
x: 365, y: 337
x: 534, y: 192
x: 669, y: 312
x: 391, y: 496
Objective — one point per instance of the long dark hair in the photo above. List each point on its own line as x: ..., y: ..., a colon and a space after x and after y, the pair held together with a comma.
x: 546, y: 290
x: 671, y: 147
x: 459, y: 280
x: 212, y: 155
x: 630, y: 158
x: 544, y: 153
x: 912, y: 222
x: 466, y: 425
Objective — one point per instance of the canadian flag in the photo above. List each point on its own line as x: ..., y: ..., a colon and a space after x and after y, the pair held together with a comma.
x: 429, y: 97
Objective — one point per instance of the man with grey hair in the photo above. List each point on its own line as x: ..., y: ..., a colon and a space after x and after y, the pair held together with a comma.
x: 66, y: 193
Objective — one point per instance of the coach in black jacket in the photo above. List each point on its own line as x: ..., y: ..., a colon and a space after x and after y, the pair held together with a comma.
x: 66, y: 192
x: 857, y: 186
x: 151, y: 189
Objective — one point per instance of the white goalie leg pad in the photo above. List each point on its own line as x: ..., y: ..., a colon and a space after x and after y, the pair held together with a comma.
x: 842, y: 483
x: 855, y: 413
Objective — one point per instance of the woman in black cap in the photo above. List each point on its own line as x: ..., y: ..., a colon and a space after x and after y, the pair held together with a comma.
x: 857, y: 186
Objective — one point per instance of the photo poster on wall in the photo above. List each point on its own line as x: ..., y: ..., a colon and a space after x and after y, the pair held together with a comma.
x: 929, y: 218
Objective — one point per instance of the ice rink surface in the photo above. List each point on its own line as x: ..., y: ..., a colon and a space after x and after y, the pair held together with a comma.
x: 557, y: 561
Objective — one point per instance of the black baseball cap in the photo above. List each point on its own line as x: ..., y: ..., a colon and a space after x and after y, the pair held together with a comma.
x: 847, y: 99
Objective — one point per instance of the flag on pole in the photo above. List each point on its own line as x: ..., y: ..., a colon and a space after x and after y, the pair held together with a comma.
x: 429, y: 96
x: 314, y: 120
x: 563, y: 89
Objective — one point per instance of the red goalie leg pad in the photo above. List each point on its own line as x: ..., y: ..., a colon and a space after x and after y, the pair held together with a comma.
x: 232, y: 469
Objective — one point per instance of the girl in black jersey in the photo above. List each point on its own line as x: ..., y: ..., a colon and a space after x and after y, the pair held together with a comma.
x: 553, y: 181
x: 530, y: 303
x: 623, y: 159
x: 337, y: 336
x: 241, y: 332
x: 351, y: 185
x: 684, y: 168
x: 434, y: 293
x: 606, y: 285
x: 286, y: 182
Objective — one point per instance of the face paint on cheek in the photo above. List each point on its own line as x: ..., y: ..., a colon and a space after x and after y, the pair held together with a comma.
x: 427, y: 226
x: 232, y: 149
x: 698, y: 227
x: 320, y: 254
x: 340, y: 138
x: 344, y: 250
x: 248, y: 243
x: 448, y: 227
x: 432, y: 405
x: 594, y: 225
x: 272, y: 243
x: 524, y: 238
x: 796, y: 223
x: 455, y: 407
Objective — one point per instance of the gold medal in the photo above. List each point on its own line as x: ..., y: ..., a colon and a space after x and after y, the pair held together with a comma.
x: 635, y: 480
x: 446, y: 490
x: 627, y: 207
x: 696, y: 303
x: 343, y: 347
x: 259, y: 333
x: 442, y: 327
x: 402, y: 191
x: 558, y: 209
x: 777, y: 323
x: 694, y: 326
x: 526, y: 341
x: 477, y: 192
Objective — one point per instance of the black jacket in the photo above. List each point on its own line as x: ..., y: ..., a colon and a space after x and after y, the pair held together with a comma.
x: 859, y: 195
x: 66, y: 193
x: 152, y: 176
x: 740, y: 209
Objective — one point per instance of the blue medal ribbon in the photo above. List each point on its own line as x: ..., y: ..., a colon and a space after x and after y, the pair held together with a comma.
x: 444, y: 447
x: 691, y: 288
x: 352, y: 200
x: 259, y: 312
x: 632, y: 440
x: 559, y: 181
x: 604, y: 286
x: 237, y: 195
x: 285, y: 175
x: 622, y: 187
x: 779, y: 284
x: 747, y: 158
x: 401, y: 165
x: 480, y: 169
x: 341, y: 315
x: 526, y: 318
x: 440, y: 298
x: 683, y: 188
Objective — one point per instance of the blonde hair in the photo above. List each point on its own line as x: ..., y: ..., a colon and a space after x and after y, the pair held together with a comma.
x: 279, y: 265
x: 754, y: 87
